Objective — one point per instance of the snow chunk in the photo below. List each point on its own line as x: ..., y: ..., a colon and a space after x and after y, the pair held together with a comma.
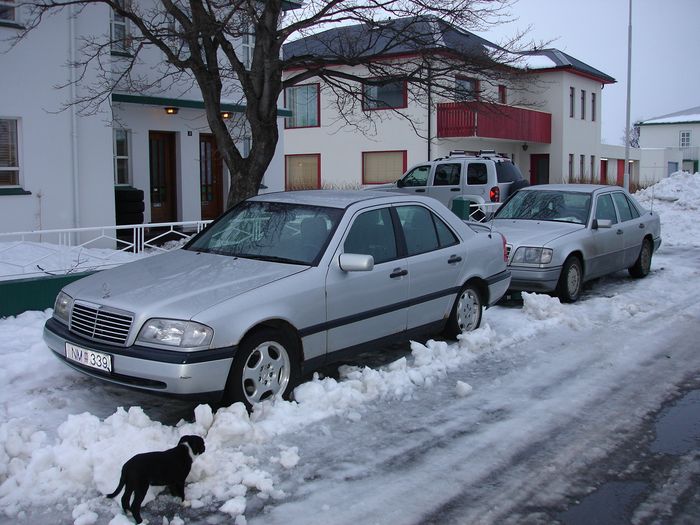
x: 463, y: 389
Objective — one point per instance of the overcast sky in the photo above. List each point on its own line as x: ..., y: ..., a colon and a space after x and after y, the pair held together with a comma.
x: 665, y: 50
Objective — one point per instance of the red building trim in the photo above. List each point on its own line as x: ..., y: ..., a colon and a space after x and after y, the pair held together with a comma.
x: 404, y: 102
x: 318, y: 105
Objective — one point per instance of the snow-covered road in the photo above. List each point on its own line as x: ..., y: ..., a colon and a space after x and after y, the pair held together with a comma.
x: 483, y: 430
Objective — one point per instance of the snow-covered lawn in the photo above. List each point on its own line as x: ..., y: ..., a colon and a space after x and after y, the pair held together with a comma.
x: 406, y: 437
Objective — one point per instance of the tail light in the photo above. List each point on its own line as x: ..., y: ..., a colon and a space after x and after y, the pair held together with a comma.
x: 495, y: 194
x: 505, y: 249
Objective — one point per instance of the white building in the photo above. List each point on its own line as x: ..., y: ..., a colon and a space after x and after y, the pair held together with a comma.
x: 551, y: 128
x: 676, y: 136
x: 59, y: 167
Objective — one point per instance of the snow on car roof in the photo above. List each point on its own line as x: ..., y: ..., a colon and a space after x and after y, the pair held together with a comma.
x: 582, y: 188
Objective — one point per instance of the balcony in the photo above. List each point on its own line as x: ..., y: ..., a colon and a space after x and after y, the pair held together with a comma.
x: 494, y: 121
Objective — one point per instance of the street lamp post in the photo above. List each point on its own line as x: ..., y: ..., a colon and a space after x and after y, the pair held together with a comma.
x: 626, y: 182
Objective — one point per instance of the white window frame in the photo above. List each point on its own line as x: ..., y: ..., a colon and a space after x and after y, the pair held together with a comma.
x: 13, y: 6
x: 120, y: 46
x: 127, y: 157
x: 248, y: 47
x: 18, y: 153
x: 684, y: 139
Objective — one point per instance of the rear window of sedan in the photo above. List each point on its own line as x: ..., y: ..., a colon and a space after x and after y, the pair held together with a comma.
x: 270, y: 231
x: 559, y: 206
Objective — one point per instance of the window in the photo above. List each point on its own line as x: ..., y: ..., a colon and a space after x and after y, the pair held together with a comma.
x: 571, y: 167
x: 623, y: 207
x: 583, y: 104
x: 245, y: 147
x: 466, y: 89
x: 419, y: 229
x: 685, y: 139
x: 120, y: 39
x: 372, y: 233
x: 592, y: 168
x: 247, y: 47
x: 8, y: 10
x: 303, y: 101
x: 447, y: 175
x: 604, y: 209
x: 122, y: 172
x: 477, y: 173
x: 502, y: 94
x: 593, y: 108
x: 379, y: 167
x: 302, y: 172
x: 418, y: 176
x: 9, y: 153
x: 572, y: 98
x: 385, y: 95
x: 582, y: 167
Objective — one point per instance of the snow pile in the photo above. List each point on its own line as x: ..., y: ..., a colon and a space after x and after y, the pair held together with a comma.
x: 676, y: 199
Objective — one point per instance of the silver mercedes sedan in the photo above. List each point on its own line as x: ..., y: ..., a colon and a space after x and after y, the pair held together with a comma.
x: 560, y: 236
x: 277, y: 286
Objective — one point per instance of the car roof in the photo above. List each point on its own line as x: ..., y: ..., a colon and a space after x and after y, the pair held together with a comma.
x: 579, y: 188
x: 331, y: 198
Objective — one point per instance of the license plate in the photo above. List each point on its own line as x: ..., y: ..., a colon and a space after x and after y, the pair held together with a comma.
x: 89, y: 358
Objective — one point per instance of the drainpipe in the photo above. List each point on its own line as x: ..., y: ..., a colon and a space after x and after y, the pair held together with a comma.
x: 74, y: 117
x: 430, y: 111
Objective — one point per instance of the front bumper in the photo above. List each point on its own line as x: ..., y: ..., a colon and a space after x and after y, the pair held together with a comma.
x: 525, y: 279
x: 185, y: 374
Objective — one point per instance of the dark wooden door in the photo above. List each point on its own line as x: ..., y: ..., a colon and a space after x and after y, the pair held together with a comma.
x: 603, y: 171
x: 539, y: 169
x: 161, y: 147
x: 210, y: 177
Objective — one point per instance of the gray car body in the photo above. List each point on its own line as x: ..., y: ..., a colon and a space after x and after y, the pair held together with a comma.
x: 601, y: 250
x: 330, y: 311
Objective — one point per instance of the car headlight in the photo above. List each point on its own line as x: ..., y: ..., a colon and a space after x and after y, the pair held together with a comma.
x: 172, y: 332
x: 532, y: 255
x: 62, y: 306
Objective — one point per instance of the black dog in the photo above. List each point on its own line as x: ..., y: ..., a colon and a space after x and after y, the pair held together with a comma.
x: 169, y: 467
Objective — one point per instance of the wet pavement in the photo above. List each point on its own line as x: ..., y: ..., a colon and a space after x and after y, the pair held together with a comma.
x: 653, y: 478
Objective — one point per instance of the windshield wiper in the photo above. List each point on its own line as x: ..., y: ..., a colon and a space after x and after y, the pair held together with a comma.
x: 270, y: 258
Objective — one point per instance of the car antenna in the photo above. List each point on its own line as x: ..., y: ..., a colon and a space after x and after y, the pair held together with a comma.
x: 491, y: 227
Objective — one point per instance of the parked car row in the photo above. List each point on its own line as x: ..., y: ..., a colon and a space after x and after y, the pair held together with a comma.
x: 286, y: 282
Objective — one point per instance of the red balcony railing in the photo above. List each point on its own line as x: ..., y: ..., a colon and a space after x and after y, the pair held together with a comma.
x: 495, y: 121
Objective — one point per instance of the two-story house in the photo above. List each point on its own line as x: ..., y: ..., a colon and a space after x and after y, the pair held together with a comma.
x: 60, y: 163
x: 548, y: 121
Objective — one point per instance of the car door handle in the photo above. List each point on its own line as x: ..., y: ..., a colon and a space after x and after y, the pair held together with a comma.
x: 454, y: 259
x: 619, y: 232
x: 455, y: 189
x: 398, y: 272
x: 641, y: 226
x: 420, y: 191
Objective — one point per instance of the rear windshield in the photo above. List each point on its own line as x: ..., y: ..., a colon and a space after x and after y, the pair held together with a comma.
x: 508, y: 172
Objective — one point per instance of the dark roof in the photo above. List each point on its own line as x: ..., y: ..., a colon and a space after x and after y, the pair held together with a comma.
x: 390, y: 37
x: 563, y: 60
x: 413, y: 35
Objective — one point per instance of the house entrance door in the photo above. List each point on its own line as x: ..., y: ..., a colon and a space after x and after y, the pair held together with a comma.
x: 539, y: 169
x: 161, y: 146
x: 210, y: 177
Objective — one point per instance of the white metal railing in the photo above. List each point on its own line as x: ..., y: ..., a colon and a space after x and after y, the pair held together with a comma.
x: 65, y: 251
x: 483, y: 212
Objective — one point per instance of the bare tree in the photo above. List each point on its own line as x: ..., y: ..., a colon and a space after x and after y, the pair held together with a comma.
x: 633, y: 138
x: 231, y: 51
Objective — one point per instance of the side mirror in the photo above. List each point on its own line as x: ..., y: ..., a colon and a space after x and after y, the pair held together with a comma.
x: 601, y: 223
x: 400, y: 183
x: 355, y: 262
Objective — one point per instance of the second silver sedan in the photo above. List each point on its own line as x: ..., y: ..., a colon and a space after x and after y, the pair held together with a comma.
x: 560, y: 236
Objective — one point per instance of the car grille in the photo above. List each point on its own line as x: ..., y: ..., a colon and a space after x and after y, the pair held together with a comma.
x: 98, y: 324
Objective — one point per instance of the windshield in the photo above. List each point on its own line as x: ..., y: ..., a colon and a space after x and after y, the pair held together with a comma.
x: 561, y: 206
x: 271, y: 231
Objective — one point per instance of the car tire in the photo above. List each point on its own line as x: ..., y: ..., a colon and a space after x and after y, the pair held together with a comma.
x: 642, y: 265
x: 570, y: 280
x: 466, y: 312
x: 266, y: 366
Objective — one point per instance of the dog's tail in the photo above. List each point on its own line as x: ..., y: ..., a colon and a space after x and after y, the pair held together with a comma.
x: 119, y: 488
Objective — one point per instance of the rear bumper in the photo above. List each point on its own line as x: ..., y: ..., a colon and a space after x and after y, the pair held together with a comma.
x: 199, y: 374
x: 534, y: 279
